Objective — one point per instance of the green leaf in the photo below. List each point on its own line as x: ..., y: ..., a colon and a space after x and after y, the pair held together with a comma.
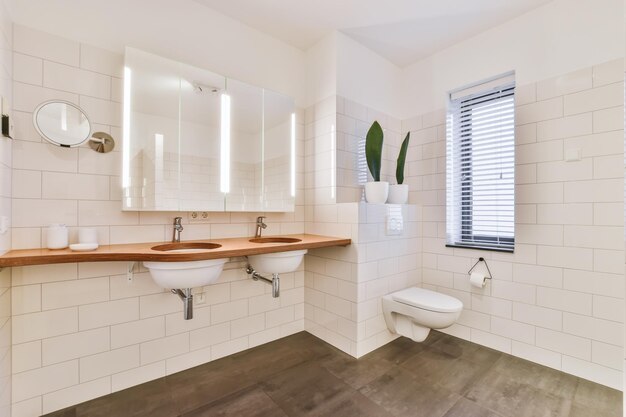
x: 402, y: 159
x: 374, y: 149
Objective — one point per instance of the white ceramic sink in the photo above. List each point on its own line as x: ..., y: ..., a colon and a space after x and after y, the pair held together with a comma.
x: 172, y: 275
x: 191, y: 274
x: 277, y: 263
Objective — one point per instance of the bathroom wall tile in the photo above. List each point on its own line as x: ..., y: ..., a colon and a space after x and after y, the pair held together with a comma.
x: 43, y: 156
x: 564, y: 343
x: 29, y: 212
x: 37, y: 274
x: 609, y: 308
x: 137, y: 332
x: 187, y: 360
x: 43, y: 380
x: 607, y: 355
x: 592, y: 328
x: 538, y: 316
x: 102, y: 61
x: 608, y: 73
x: 136, y: 234
x: 33, y: 326
x: 136, y: 376
x: 75, y: 345
x: 564, y: 300
x: 175, y: 323
x: 513, y: 330
x: 72, y: 79
x: 27, y: 69
x: 565, y: 84
x: 164, y: 348
x: 30, y: 407
x: 575, y: 258
x: 595, y: 99
x: 593, y: 282
x: 573, y: 213
x: 26, y: 356
x: 608, y: 119
x: 26, y: 184
x: 593, y: 372
x: 70, y: 293
x: 108, y: 313
x: 108, y: 363
x: 26, y: 97
x: 56, y: 185
x: 542, y: 110
x: 77, y: 393
x: 607, y: 167
x: 25, y: 299
x: 536, y: 354
x: 607, y: 261
x: 54, y: 48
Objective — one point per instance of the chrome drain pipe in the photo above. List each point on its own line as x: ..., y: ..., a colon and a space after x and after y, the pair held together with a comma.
x: 187, y: 298
x: 274, y: 282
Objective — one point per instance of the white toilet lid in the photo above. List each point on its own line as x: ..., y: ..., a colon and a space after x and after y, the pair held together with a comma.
x: 428, y: 300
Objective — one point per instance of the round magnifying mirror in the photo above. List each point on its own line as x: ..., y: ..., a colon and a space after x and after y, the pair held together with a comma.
x: 62, y: 123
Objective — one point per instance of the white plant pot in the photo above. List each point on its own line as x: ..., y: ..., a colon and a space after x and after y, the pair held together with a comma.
x: 376, y: 192
x: 398, y: 194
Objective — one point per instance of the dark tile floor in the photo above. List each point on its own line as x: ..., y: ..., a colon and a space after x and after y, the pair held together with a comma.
x: 302, y: 376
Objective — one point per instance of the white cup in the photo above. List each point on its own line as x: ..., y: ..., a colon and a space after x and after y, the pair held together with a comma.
x: 57, y: 236
x: 87, y: 235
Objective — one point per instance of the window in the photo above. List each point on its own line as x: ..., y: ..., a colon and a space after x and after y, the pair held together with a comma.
x: 480, y: 171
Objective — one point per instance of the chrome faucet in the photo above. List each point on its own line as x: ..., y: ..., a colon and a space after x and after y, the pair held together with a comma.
x: 259, y: 226
x: 178, y: 227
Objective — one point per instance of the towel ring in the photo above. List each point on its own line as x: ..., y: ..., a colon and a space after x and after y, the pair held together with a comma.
x: 480, y: 260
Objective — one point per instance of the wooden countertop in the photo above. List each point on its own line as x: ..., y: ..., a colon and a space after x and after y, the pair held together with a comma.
x: 230, y: 248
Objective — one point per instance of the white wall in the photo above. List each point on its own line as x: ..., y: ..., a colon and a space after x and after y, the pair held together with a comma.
x: 366, y: 78
x: 6, y: 91
x: 321, y: 70
x: 182, y: 30
x: 552, y: 40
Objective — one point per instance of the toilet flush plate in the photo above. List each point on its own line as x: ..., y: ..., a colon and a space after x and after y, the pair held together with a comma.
x: 395, y: 224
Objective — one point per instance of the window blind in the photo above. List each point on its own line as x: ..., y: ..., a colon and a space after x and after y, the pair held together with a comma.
x: 480, y: 169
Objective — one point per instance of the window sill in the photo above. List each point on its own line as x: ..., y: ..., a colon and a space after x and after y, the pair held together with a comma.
x: 476, y: 247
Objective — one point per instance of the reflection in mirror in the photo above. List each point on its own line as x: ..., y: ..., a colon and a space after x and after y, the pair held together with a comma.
x: 171, y: 135
x: 61, y: 123
x: 199, y: 150
x: 279, y: 142
x: 246, y: 147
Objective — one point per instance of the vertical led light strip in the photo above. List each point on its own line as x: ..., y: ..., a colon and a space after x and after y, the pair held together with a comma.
x: 293, y: 154
x: 225, y: 145
x: 158, y: 159
x: 126, y: 133
x: 333, y: 163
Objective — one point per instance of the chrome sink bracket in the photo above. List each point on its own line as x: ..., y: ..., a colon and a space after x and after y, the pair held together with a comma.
x: 274, y: 282
x: 187, y: 297
x: 130, y: 272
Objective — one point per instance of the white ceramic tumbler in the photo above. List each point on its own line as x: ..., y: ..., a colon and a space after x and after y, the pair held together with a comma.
x: 57, y: 236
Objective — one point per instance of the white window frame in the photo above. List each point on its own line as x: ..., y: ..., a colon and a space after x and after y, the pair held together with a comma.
x: 491, y: 185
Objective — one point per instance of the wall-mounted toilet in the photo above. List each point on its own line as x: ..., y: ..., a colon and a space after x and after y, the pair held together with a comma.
x: 414, y: 311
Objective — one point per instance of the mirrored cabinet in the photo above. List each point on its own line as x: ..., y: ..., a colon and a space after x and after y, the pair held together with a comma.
x: 194, y: 140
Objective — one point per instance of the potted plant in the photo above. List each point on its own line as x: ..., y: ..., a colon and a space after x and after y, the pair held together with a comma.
x: 375, y: 191
x: 399, y: 193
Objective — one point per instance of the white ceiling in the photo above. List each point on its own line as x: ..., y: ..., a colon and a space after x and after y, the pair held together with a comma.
x: 402, y: 31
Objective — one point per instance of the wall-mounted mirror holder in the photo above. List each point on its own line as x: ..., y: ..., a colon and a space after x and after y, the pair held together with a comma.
x: 64, y: 124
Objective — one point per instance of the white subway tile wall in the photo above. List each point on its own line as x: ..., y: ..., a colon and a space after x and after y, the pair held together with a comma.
x: 83, y: 330
x: 6, y: 145
x: 559, y: 299
x: 344, y: 286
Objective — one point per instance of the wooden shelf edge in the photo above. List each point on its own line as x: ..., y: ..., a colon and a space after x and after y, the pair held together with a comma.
x: 139, y: 252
